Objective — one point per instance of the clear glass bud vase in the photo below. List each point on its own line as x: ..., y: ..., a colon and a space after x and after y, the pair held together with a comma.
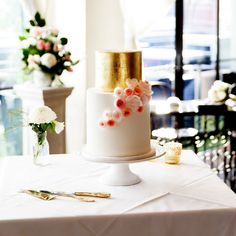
x: 41, y: 149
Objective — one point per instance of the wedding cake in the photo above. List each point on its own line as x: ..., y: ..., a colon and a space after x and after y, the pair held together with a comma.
x: 118, y: 118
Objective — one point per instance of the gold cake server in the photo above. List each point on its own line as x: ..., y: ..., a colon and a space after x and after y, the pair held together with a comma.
x: 38, y: 194
x: 93, y: 194
x: 70, y: 195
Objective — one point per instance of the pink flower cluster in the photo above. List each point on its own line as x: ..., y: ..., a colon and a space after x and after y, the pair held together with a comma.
x: 127, y: 101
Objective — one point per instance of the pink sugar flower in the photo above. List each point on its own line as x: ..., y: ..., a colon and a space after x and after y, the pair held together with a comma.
x: 137, y: 90
x: 140, y: 109
x: 110, y: 122
x: 118, y: 92
x: 102, y: 123
x: 116, y: 115
x: 119, y: 103
x: 47, y: 46
x: 40, y: 44
x: 126, y: 112
x: 128, y: 91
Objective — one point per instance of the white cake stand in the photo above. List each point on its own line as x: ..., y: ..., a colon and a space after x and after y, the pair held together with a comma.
x: 119, y: 173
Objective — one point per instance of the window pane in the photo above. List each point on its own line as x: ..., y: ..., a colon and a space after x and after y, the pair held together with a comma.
x: 199, y: 47
x: 158, y: 50
x: 10, y: 29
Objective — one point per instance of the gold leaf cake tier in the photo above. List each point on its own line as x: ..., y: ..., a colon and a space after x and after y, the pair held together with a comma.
x: 113, y: 68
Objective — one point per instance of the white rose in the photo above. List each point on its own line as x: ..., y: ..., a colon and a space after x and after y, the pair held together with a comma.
x: 216, y: 96
x: 48, y: 60
x: 43, y: 114
x: 133, y: 102
x: 27, y: 42
x: 219, y: 85
x: 59, y: 126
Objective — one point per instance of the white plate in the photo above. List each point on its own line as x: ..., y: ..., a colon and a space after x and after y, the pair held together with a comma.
x: 155, y: 152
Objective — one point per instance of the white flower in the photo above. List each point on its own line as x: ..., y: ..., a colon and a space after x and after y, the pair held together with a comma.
x: 48, y: 60
x: 216, y: 96
x: 27, y: 42
x: 132, y: 83
x: 119, y: 92
x: 220, y: 85
x: 145, y: 88
x: 59, y: 126
x: 43, y: 114
x: 36, y: 31
x: 133, y: 102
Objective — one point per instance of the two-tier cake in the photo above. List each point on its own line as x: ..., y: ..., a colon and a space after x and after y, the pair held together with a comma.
x: 118, y: 118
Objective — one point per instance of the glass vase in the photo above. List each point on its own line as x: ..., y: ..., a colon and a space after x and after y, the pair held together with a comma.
x: 41, y: 149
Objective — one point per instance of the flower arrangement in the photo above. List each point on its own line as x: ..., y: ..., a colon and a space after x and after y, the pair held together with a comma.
x: 41, y: 120
x: 44, y: 50
x: 127, y: 101
x: 219, y: 92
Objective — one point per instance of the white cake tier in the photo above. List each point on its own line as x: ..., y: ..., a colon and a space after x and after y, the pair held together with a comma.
x: 129, y: 137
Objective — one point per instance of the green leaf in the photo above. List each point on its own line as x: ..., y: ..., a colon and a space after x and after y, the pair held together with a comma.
x: 42, y: 23
x: 32, y: 22
x: 64, y: 41
x: 37, y: 17
x: 21, y: 38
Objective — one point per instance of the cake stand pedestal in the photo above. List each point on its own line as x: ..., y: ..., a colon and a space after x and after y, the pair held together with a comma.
x: 119, y: 173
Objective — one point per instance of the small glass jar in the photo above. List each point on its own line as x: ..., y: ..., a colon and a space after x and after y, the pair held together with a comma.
x: 173, y: 152
x: 41, y: 149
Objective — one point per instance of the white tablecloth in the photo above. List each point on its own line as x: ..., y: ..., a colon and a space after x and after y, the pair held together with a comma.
x: 186, y: 199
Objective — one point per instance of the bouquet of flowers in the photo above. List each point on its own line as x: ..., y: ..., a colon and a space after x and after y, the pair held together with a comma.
x: 44, y: 50
x: 41, y: 120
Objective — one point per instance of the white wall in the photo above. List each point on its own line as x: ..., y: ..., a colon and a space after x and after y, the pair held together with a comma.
x: 89, y: 25
x: 104, y: 30
x: 70, y: 20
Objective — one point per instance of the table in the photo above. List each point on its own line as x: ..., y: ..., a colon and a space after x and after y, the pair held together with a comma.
x: 186, y: 199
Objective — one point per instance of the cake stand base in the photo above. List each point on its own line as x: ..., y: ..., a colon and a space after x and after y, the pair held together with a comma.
x: 120, y: 175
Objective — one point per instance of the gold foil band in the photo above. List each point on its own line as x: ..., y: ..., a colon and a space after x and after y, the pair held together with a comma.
x: 114, y: 68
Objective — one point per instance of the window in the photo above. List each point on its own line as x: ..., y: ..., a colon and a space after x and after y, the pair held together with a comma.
x: 10, y: 73
x: 196, y: 52
x: 10, y: 29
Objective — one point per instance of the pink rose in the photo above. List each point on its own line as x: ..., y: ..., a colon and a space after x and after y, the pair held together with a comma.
x: 47, y: 46
x: 40, y: 44
x: 119, y: 103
